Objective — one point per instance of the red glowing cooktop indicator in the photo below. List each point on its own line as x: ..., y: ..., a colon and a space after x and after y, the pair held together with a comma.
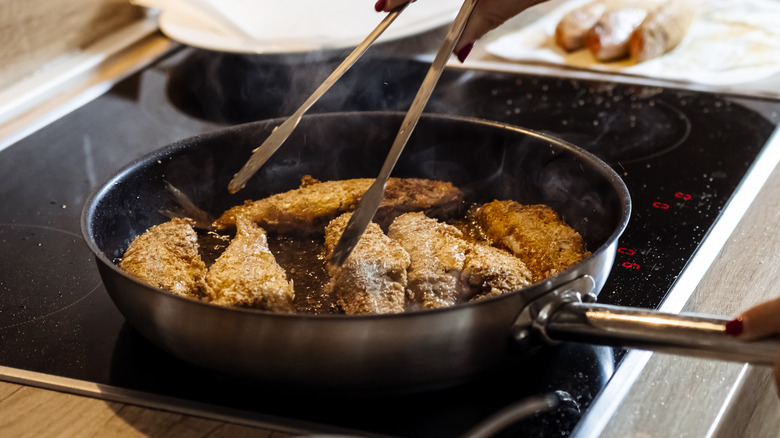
x: 678, y: 195
x: 629, y: 252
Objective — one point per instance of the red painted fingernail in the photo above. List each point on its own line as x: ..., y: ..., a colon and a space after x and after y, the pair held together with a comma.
x: 380, y: 5
x: 464, y: 52
x: 734, y: 328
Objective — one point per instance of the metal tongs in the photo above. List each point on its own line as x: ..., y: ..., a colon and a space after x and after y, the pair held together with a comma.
x: 271, y: 144
x: 371, y: 199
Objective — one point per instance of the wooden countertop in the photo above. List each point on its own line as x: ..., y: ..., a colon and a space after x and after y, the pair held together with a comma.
x: 26, y: 411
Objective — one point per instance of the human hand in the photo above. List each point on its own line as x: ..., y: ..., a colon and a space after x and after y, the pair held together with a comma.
x: 487, y: 15
x: 759, y: 321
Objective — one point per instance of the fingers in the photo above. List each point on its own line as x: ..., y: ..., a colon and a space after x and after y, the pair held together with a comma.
x: 757, y: 322
x: 389, y: 5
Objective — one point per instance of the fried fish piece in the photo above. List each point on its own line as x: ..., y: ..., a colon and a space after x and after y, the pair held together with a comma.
x: 247, y: 274
x: 373, y: 278
x: 571, y: 31
x: 437, y: 252
x: 534, y: 233
x: 662, y: 30
x: 307, y: 209
x: 608, y: 39
x: 447, y: 269
x: 492, y: 271
x: 166, y: 256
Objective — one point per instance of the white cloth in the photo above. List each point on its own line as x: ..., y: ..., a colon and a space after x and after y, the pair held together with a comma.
x: 729, y: 42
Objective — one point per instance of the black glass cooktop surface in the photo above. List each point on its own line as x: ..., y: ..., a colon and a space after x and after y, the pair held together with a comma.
x: 681, y: 153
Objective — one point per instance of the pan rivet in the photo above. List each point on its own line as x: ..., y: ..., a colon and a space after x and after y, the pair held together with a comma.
x: 521, y: 334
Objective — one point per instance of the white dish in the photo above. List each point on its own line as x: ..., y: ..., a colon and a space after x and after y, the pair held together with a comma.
x: 273, y: 26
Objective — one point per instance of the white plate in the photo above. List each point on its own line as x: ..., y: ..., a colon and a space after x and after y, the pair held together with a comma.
x: 284, y: 26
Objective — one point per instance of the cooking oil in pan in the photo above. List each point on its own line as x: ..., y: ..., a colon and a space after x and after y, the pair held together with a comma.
x: 302, y: 259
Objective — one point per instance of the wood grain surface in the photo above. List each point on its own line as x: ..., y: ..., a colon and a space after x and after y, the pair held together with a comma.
x: 32, y: 412
x: 37, y: 32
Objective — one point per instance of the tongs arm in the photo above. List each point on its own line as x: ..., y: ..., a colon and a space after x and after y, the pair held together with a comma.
x: 271, y: 144
x: 370, y: 201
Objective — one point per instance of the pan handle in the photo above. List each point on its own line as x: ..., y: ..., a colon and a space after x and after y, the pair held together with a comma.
x: 689, y: 335
x: 562, y: 315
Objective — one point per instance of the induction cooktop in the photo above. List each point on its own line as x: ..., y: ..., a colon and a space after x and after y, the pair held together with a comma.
x: 683, y: 155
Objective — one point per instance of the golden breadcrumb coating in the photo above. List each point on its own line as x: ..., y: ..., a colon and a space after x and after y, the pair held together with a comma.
x: 437, y: 252
x: 166, y: 256
x: 421, y: 263
x: 373, y: 277
x: 246, y: 274
x: 307, y: 209
x: 492, y: 271
x: 447, y: 269
x: 573, y: 27
x: 533, y: 233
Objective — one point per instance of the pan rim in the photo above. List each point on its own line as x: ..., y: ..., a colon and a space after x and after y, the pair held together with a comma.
x: 100, y: 191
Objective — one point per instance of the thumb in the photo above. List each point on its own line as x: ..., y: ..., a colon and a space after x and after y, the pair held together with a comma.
x: 758, y: 321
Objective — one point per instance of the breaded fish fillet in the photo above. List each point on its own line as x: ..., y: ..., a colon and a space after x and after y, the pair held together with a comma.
x: 574, y: 25
x: 534, y: 233
x: 662, y: 30
x: 490, y: 271
x: 246, y: 274
x: 437, y: 252
x: 166, y: 256
x: 608, y: 40
x: 307, y: 209
x: 447, y: 269
x: 373, y: 277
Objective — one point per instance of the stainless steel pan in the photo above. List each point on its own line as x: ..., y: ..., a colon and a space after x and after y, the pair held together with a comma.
x: 405, y: 351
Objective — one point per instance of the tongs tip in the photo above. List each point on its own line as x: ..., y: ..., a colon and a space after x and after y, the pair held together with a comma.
x: 262, y: 153
x: 240, y: 178
x: 341, y: 252
x: 234, y: 187
x: 370, y: 201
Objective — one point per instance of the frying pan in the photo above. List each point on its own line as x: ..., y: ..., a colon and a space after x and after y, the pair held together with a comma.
x: 409, y: 351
